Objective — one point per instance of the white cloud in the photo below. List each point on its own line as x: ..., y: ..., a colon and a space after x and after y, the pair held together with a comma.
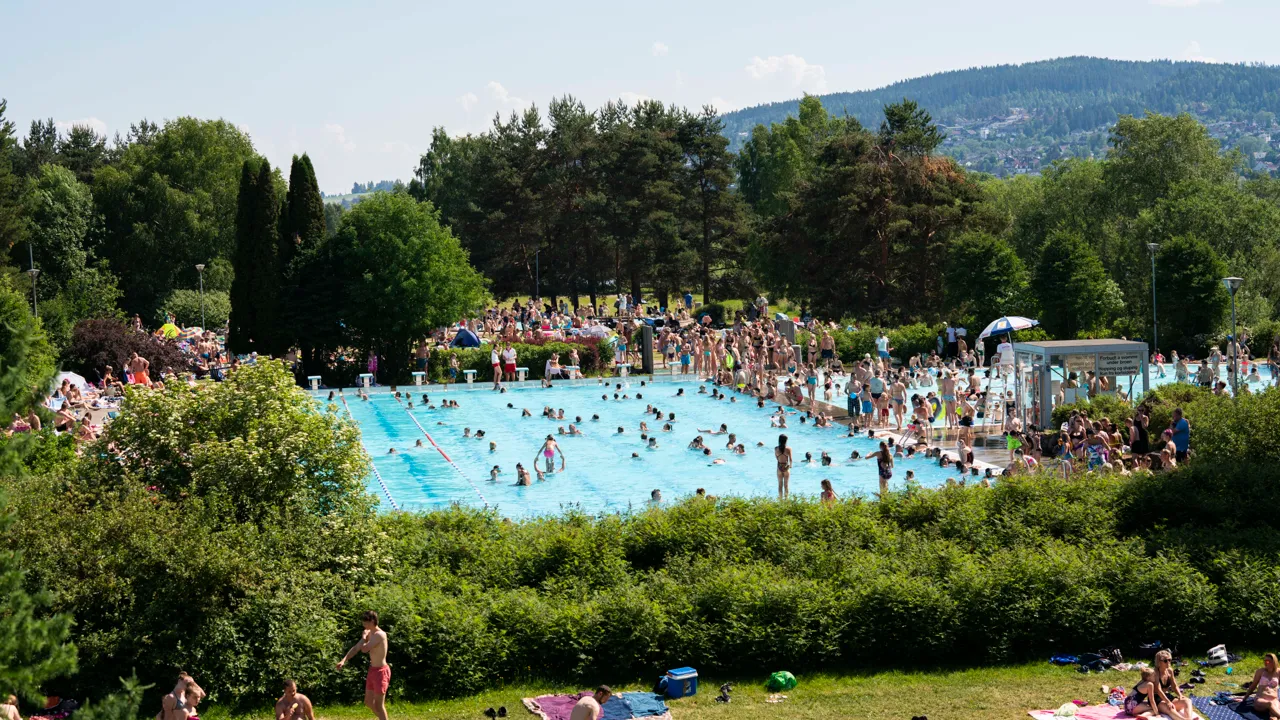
x: 64, y: 126
x: 721, y: 105
x: 505, y: 98
x: 659, y: 48
x: 1184, y: 3
x: 340, y: 135
x: 1193, y: 53
x: 631, y: 98
x: 468, y: 101
x: 801, y: 74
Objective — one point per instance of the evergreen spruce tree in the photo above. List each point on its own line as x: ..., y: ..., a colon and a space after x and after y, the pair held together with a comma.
x: 304, y: 214
x: 255, y: 292
x: 304, y: 287
x: 33, y: 644
x: 243, y: 322
x: 270, y: 334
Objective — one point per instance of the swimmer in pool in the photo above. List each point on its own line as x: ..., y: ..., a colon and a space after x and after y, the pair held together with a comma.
x: 466, y: 432
x: 418, y: 443
x: 493, y: 446
x: 548, y: 453
x: 494, y: 473
x: 696, y: 444
x: 573, y: 429
x: 740, y: 449
x: 653, y: 443
x: 723, y: 429
x: 522, y: 476
x: 526, y: 413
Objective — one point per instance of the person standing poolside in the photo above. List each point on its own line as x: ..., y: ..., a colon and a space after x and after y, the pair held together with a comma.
x: 293, y: 705
x: 495, y: 359
x: 783, y: 455
x: 140, y: 367
x: 948, y: 388
x: 548, y: 451
x: 422, y: 355
x: 1181, y: 428
x: 509, y: 362
x: 882, y: 350
x: 373, y: 640
x: 828, y: 349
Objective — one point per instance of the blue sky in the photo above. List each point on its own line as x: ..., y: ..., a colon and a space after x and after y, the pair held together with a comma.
x: 359, y: 86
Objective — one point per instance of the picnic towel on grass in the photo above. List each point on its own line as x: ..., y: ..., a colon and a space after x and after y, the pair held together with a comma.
x: 1224, y: 712
x: 626, y: 706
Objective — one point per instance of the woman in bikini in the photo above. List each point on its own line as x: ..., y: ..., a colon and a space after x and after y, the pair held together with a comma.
x: 548, y: 452
x: 1263, y: 685
x: 782, y: 454
x: 828, y: 494
x: 1169, y: 697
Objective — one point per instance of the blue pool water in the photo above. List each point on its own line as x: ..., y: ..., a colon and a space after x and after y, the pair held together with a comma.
x: 601, y: 475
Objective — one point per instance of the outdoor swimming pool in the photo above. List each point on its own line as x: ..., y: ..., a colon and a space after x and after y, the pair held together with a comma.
x: 601, y: 475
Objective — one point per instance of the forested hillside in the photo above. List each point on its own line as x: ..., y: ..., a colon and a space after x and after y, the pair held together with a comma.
x: 1014, y: 119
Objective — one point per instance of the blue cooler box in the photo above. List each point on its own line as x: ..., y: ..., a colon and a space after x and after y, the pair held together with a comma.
x: 682, y: 682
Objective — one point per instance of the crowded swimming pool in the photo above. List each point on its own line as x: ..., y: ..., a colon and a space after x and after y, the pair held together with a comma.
x: 600, y: 474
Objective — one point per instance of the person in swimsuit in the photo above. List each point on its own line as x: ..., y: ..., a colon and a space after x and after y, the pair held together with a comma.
x: 1264, y: 686
x: 782, y: 454
x: 1141, y: 704
x: 828, y: 494
x: 293, y: 705
x: 884, y: 466
x: 1169, y: 697
x: 373, y: 640
x: 174, y: 706
x: 548, y: 452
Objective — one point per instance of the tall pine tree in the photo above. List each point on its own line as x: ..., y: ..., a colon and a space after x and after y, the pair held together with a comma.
x: 305, y: 288
x: 255, y: 292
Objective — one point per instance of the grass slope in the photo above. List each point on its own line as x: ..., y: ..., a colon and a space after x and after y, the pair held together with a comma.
x: 998, y: 693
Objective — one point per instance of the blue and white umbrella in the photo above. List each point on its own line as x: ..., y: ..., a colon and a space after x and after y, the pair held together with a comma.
x: 1008, y: 324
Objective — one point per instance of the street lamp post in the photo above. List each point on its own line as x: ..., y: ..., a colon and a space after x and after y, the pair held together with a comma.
x: 1155, y: 318
x: 537, y: 275
x: 35, y: 309
x: 200, y: 269
x: 33, y: 272
x: 1233, y: 284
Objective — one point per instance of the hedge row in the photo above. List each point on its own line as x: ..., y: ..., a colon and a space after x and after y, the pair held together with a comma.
x: 1030, y: 567
x: 595, y: 357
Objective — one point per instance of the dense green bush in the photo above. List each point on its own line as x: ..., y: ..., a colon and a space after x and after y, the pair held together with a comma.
x: 595, y: 357
x: 232, y: 553
x: 718, y: 312
x: 185, y: 306
x: 908, y: 340
x: 1096, y: 407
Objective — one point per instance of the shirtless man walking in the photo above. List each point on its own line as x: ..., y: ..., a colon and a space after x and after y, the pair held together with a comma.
x: 374, y: 642
x: 139, y: 367
x: 293, y: 705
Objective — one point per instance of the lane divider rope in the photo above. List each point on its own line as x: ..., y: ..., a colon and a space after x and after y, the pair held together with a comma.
x: 376, y: 474
x: 444, y: 454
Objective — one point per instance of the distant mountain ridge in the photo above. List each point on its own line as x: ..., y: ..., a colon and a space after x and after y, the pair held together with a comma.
x: 1016, y: 118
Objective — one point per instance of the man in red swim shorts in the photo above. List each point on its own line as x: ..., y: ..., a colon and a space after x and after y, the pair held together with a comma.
x: 374, y: 642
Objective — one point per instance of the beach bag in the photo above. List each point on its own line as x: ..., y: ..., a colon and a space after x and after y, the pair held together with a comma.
x: 780, y: 681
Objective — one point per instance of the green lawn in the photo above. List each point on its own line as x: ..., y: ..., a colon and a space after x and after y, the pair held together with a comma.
x: 1002, y: 693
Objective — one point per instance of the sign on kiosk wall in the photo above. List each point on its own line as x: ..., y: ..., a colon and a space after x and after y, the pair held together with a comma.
x: 1080, y: 363
x: 1119, y: 363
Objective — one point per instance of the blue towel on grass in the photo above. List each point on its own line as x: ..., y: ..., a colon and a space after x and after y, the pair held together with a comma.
x: 1222, y: 712
x: 644, y: 704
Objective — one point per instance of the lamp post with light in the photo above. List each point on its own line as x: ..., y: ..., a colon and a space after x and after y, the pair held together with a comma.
x: 200, y: 269
x: 1233, y: 284
x: 1155, y: 318
x: 35, y: 309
